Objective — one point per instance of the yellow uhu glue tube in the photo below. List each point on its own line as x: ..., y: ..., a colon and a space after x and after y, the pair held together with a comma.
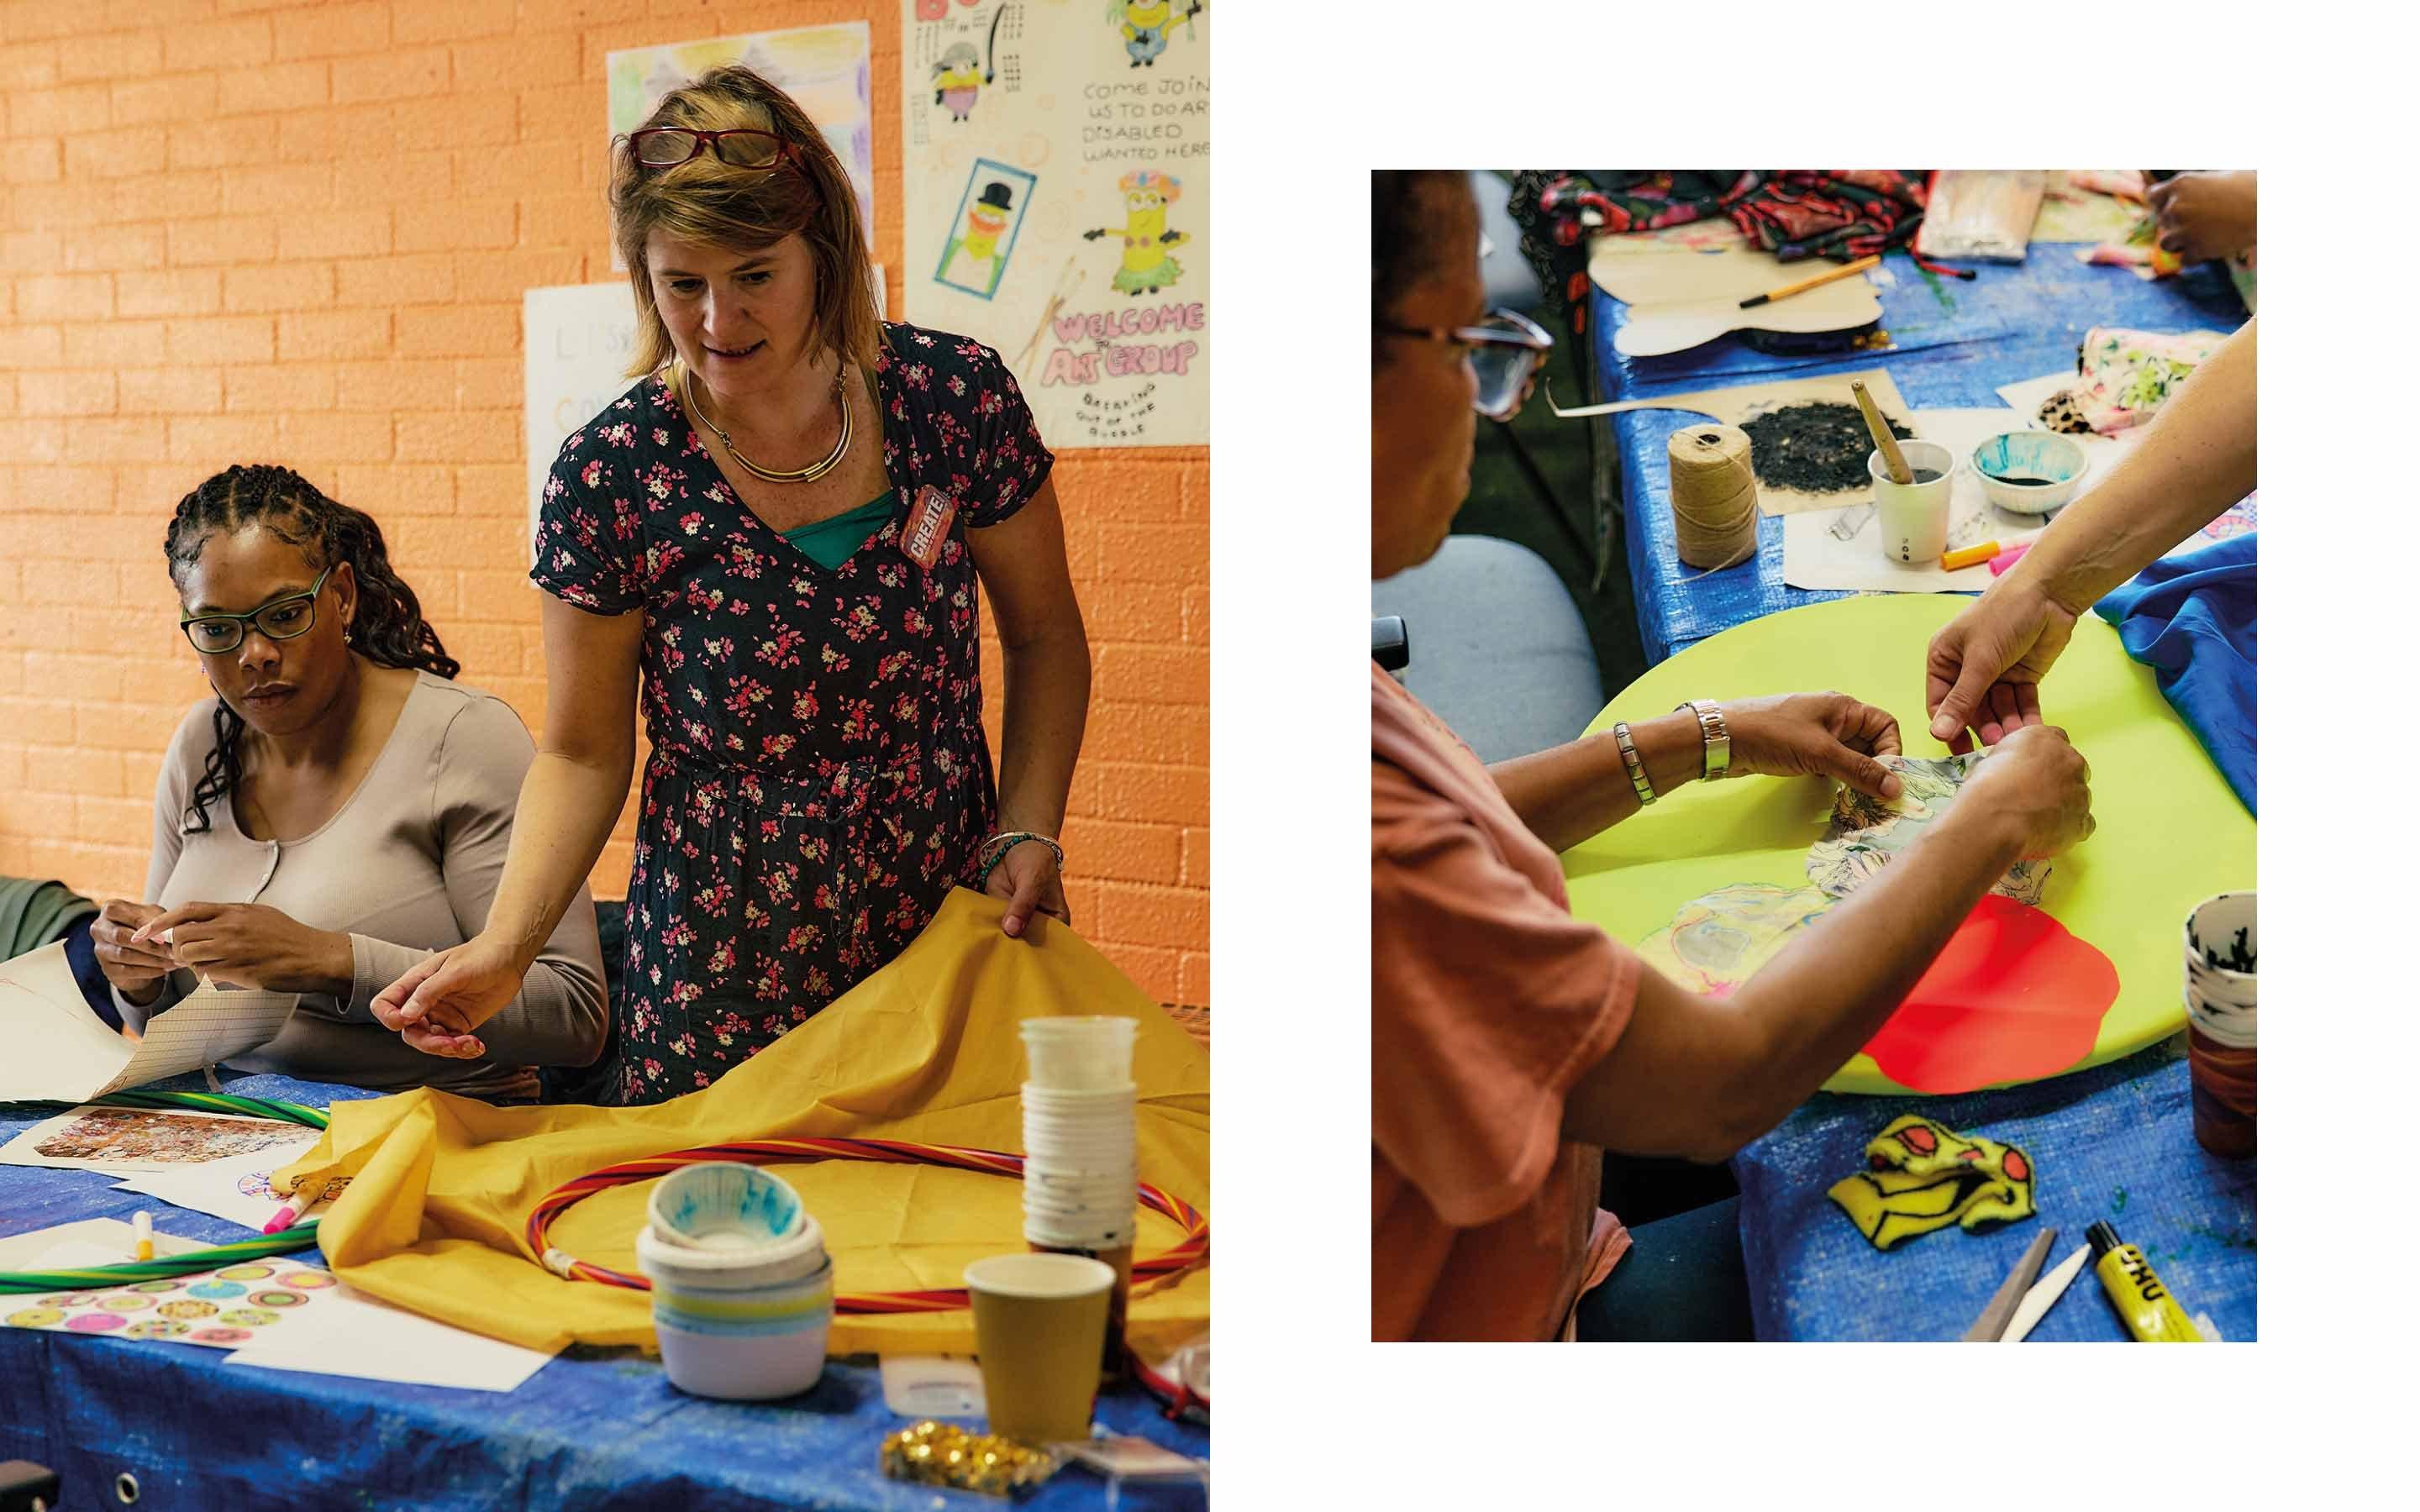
x: 2135, y: 1290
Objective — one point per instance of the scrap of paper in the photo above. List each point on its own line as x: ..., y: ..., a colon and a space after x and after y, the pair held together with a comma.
x: 237, y: 1188
x: 1867, y: 832
x: 122, y: 1140
x: 1719, y: 941
x: 59, y: 1052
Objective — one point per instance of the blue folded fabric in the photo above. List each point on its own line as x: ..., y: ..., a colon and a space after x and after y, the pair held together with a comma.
x: 2192, y: 618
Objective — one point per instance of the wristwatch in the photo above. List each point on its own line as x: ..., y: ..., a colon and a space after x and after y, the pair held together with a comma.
x: 1718, y: 734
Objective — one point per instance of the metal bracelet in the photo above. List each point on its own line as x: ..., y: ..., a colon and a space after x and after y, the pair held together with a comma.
x: 1630, y: 759
x: 1717, y: 733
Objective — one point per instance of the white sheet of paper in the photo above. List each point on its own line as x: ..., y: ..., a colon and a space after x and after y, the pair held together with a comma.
x: 87, y: 1242
x: 212, y: 1187
x: 58, y: 1052
x: 363, y: 1338
x: 1813, y: 557
x: 26, y: 1148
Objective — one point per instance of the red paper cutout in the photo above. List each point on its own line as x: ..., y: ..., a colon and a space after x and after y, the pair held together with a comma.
x: 2012, y: 997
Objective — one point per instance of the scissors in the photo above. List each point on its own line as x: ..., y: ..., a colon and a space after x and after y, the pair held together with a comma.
x: 2021, y: 1301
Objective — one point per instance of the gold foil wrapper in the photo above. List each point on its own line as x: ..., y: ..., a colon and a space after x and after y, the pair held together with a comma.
x: 943, y: 1454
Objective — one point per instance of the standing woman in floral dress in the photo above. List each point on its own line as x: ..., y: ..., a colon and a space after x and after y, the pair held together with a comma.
x: 772, y: 543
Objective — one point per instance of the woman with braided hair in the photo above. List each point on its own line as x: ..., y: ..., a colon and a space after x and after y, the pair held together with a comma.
x: 337, y: 811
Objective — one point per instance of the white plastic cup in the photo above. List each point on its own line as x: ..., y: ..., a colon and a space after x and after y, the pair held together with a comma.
x: 1079, y: 1053
x: 1914, y: 517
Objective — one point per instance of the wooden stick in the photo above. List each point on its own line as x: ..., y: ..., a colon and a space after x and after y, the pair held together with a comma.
x: 1892, y: 457
x: 2003, y: 1307
x: 1803, y: 285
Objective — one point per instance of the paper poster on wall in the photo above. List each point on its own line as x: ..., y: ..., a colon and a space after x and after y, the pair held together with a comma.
x: 576, y: 344
x: 1057, y: 178
x: 827, y: 69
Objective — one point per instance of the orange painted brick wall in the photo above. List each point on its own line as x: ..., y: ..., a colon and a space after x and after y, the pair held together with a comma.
x: 246, y: 230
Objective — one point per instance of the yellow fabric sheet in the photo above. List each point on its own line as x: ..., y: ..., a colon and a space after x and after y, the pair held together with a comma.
x: 925, y: 1050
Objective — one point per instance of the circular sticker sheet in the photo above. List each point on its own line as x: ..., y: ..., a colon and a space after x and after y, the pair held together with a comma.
x: 222, y: 1309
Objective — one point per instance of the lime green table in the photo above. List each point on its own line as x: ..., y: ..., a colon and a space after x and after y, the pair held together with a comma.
x: 2170, y: 832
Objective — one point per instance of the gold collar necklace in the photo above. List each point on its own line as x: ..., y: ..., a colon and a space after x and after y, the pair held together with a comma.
x: 806, y: 475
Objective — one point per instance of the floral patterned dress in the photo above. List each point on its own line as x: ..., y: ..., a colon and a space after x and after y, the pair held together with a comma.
x: 819, y: 778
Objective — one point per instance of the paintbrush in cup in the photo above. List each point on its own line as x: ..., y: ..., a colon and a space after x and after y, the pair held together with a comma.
x: 1893, y: 460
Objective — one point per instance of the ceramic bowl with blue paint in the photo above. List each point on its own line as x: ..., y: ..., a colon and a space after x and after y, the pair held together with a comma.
x: 2030, y: 472
x: 730, y: 1207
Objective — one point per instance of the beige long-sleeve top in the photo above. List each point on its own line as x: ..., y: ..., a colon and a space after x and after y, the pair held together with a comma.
x: 407, y: 867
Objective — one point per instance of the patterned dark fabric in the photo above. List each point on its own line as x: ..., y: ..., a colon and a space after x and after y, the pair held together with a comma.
x: 1795, y: 214
x: 819, y: 777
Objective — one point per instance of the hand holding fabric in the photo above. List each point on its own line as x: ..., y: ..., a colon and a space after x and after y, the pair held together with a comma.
x: 1984, y: 669
x: 1814, y: 734
x: 1028, y: 876
x: 2040, y: 782
x: 251, y: 945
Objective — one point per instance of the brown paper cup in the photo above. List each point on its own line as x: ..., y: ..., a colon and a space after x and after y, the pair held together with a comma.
x: 1039, y: 1324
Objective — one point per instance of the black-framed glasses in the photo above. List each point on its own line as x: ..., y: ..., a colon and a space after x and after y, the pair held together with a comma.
x: 1504, y: 350
x: 669, y: 146
x: 279, y: 619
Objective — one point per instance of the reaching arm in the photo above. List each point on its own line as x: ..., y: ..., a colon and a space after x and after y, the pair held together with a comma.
x: 1702, y: 1076
x: 2197, y: 458
x: 574, y: 793
x: 1047, y: 680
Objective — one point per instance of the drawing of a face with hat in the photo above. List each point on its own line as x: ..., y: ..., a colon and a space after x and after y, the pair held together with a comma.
x: 985, y: 220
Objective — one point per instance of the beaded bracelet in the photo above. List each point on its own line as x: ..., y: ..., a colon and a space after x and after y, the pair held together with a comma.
x: 1638, y: 782
x: 1008, y: 842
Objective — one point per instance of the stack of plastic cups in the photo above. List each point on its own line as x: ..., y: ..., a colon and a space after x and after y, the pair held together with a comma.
x: 1080, y: 1152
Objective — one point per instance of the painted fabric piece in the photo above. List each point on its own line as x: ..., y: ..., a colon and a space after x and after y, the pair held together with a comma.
x: 2124, y: 377
x: 924, y: 1050
x: 1921, y: 1174
x: 1719, y: 941
x: 2105, y: 1143
x: 1842, y: 213
x: 1867, y: 832
x: 2013, y: 996
x: 2192, y: 618
x: 222, y: 1309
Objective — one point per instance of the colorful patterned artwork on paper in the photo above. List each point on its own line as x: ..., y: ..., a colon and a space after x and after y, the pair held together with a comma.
x: 222, y: 1308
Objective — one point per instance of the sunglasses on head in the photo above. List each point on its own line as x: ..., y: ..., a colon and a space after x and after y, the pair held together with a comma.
x: 668, y: 147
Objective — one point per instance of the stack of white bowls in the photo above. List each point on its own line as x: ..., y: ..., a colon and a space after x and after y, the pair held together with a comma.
x: 743, y: 1285
x: 1079, y: 1133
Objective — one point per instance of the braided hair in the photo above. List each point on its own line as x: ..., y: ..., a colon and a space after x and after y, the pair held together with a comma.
x: 387, y: 627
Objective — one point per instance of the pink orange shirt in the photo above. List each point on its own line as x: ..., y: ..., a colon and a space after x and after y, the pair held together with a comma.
x: 1487, y: 1001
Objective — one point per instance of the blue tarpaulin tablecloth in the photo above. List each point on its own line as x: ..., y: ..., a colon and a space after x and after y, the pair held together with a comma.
x: 597, y: 1429
x: 2114, y: 1143
x: 1958, y: 342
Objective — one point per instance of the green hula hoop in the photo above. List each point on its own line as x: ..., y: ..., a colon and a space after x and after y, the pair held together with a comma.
x: 301, y: 1236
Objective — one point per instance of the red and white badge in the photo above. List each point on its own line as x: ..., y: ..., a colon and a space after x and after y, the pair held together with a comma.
x: 928, y: 526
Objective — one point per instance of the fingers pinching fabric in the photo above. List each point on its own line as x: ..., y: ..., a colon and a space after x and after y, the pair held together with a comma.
x: 1921, y: 1175
x: 1867, y: 832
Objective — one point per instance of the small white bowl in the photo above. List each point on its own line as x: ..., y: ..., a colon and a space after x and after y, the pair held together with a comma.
x: 2030, y: 453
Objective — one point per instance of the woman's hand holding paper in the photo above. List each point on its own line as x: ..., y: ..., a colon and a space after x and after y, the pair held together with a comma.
x: 133, y: 966
x: 251, y: 945
x: 1814, y: 734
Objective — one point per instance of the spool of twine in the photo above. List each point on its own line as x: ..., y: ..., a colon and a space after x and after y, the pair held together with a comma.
x: 1714, y: 495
